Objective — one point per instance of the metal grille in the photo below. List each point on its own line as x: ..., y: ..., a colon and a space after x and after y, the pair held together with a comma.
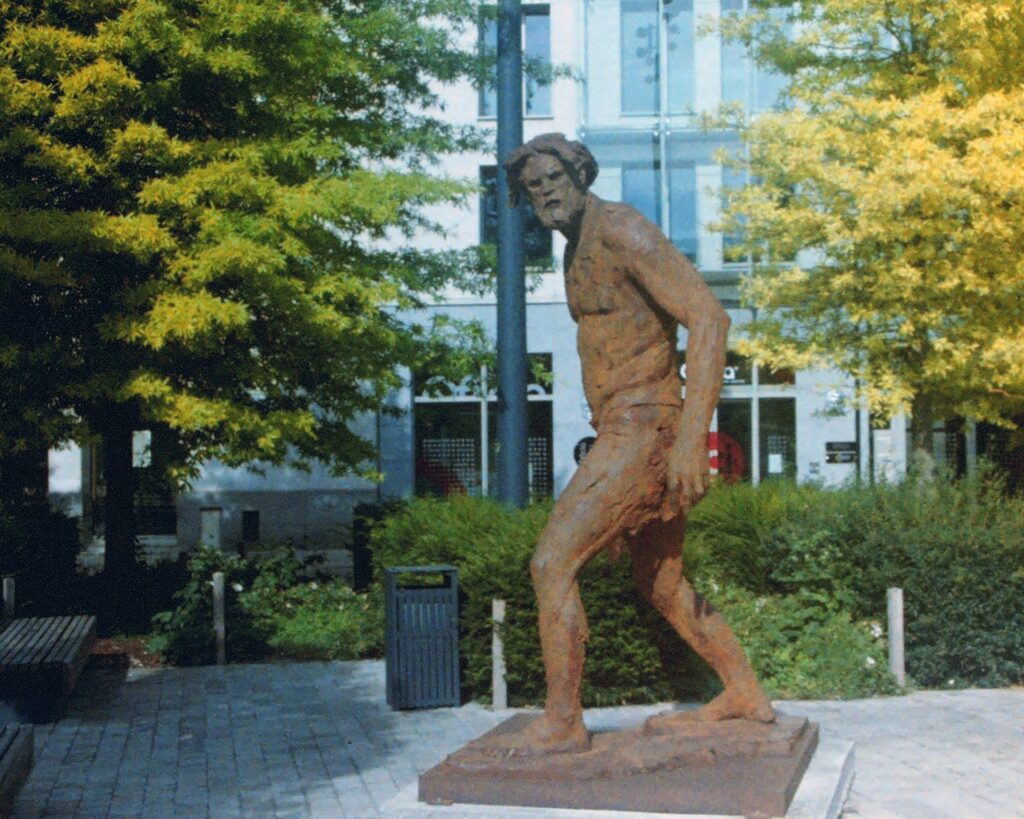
x: 450, y: 464
x: 540, y: 467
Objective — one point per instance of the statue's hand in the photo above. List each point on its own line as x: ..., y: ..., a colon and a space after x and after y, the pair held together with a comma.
x: 689, y: 474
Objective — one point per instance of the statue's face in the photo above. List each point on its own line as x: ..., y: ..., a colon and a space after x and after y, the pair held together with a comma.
x: 555, y: 198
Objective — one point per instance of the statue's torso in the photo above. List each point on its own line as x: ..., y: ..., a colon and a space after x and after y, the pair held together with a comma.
x: 626, y: 342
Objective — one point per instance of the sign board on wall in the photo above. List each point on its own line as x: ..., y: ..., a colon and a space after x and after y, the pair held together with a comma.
x: 840, y: 452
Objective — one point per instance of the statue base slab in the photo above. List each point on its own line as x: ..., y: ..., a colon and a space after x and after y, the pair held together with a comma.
x: 733, y: 767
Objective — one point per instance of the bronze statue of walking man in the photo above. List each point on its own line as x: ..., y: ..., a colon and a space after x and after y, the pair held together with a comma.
x: 628, y: 288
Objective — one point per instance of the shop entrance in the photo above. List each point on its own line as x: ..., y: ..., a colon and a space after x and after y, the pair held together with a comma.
x: 753, y: 432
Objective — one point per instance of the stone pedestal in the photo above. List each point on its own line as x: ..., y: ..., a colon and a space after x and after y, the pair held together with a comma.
x: 734, y: 767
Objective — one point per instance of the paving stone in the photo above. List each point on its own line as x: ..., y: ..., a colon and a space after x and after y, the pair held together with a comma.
x: 316, y: 739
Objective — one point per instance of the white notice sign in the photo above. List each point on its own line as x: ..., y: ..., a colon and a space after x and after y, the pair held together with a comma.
x: 775, y: 463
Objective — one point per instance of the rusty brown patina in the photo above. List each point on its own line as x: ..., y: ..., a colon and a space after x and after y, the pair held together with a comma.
x: 628, y: 289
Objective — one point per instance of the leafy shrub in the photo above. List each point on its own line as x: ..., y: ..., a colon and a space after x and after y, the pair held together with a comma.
x: 806, y: 646
x: 185, y: 635
x: 269, y: 607
x: 633, y: 656
x: 956, y: 548
x: 319, y: 619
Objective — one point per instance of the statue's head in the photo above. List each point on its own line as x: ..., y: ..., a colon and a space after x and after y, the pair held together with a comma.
x: 555, y: 174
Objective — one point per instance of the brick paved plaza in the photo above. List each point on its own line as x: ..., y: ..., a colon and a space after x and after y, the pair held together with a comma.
x: 316, y: 739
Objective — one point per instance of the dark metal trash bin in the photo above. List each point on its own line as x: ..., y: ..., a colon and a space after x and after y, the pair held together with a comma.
x: 422, y: 637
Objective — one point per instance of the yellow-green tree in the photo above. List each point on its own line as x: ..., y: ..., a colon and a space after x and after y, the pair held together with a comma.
x: 897, y: 174
x: 194, y: 199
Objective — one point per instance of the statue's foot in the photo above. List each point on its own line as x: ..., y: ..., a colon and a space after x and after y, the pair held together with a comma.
x: 544, y: 735
x: 733, y: 703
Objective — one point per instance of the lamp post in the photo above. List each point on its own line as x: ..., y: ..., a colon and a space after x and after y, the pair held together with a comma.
x: 512, y: 408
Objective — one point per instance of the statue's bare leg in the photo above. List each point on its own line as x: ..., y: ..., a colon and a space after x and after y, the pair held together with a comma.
x: 658, y: 571
x: 586, y: 518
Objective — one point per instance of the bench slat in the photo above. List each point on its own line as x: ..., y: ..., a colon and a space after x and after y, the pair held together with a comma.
x: 54, y: 647
x: 46, y: 653
x: 7, y: 735
x: 45, y: 641
x: 78, y: 654
x: 44, y: 628
x: 37, y: 627
x: 50, y: 629
x: 13, y: 636
x: 87, y: 636
x: 69, y: 641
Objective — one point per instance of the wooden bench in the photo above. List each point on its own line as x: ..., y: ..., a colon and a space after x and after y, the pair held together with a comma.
x: 16, y: 757
x: 41, y: 658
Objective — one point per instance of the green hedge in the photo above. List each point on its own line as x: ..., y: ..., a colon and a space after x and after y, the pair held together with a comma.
x: 956, y: 548
x: 271, y: 608
x: 804, y: 646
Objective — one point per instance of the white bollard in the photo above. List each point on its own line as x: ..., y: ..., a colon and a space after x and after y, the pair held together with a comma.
x: 897, y: 659
x: 499, y: 686
x: 218, y: 614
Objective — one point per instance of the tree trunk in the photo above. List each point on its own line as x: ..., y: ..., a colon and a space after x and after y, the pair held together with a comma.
x: 922, y: 459
x: 119, y: 504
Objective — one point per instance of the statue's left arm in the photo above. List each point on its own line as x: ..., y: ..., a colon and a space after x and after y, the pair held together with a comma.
x: 674, y: 283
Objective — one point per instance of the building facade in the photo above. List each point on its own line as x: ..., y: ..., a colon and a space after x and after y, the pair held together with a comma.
x: 641, y: 72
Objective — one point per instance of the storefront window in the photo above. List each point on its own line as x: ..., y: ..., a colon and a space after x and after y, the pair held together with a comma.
x: 736, y: 425
x: 731, y: 441
x: 777, y: 432
x: 452, y: 422
x: 540, y: 473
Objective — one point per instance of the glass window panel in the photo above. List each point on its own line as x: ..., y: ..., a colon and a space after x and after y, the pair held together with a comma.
x: 683, y: 208
x: 536, y: 39
x: 250, y: 525
x: 681, y: 71
x: 447, y: 448
x: 777, y: 437
x: 639, y: 59
x: 734, y: 62
x: 537, y: 49
x: 732, y: 441
x: 488, y: 39
x: 640, y: 188
x: 537, y: 241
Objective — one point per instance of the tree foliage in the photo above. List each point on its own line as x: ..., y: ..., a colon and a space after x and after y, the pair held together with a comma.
x: 896, y: 178
x: 202, y: 213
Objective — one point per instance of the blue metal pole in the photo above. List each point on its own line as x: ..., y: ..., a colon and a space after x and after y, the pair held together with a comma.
x: 512, y: 409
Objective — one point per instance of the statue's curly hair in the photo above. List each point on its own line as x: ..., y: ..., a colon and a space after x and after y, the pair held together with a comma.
x: 575, y: 156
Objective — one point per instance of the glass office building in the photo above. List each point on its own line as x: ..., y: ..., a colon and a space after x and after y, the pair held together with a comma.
x: 651, y: 68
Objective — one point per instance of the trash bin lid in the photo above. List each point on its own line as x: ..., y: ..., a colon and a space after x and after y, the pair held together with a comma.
x: 419, y: 569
